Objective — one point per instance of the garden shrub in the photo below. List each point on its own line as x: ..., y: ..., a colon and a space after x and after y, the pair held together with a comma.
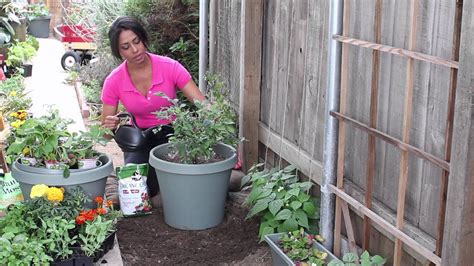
x: 173, y: 28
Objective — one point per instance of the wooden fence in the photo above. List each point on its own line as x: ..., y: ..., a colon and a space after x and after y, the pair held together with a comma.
x: 293, y: 86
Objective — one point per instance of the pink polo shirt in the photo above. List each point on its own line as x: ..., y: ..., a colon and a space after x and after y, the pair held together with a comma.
x: 168, y: 75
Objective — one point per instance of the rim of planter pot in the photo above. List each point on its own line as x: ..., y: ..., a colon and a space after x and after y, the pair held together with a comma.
x: 227, y: 151
x: 41, y: 18
x: 35, y: 175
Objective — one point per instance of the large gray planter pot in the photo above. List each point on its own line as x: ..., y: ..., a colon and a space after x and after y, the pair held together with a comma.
x: 92, y: 181
x: 39, y: 27
x: 193, y: 195
x: 280, y: 258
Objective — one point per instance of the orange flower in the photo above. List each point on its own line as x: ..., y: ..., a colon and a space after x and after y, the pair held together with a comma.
x: 110, y: 203
x: 99, y: 199
x: 101, y: 211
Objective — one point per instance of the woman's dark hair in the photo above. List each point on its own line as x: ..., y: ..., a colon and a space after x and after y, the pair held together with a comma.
x: 125, y: 23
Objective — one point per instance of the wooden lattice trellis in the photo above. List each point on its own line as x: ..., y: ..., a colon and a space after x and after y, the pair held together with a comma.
x: 343, y: 199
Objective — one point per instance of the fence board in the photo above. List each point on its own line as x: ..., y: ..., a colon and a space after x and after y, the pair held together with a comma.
x: 299, y: 80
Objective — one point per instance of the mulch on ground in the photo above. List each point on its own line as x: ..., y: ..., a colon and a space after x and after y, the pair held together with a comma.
x: 148, y: 240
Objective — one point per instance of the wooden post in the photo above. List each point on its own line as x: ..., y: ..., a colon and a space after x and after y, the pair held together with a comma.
x: 250, y: 76
x: 342, y: 127
x: 449, y: 128
x: 407, y: 112
x: 458, y: 231
x: 374, y: 94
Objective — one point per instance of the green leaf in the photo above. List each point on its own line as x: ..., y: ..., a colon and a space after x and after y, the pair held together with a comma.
x: 265, y: 193
x: 275, y: 206
x: 295, y: 205
x: 283, y: 214
x: 244, y: 180
x: 365, y: 255
x: 266, y: 231
x: 291, y: 224
x: 378, y: 260
x: 336, y: 262
x: 294, y: 192
x: 301, y: 218
x: 290, y: 168
x: 259, y: 206
x: 302, y: 197
x: 254, y: 194
x: 305, y: 186
x: 350, y: 257
x: 309, y: 208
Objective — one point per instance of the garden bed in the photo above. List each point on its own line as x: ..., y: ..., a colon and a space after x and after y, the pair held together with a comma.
x: 148, y: 240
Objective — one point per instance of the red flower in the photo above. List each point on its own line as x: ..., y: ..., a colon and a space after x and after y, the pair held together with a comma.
x: 101, y: 211
x: 80, y: 220
x: 99, y: 199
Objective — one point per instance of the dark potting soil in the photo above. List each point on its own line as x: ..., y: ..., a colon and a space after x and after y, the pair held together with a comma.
x: 148, y: 240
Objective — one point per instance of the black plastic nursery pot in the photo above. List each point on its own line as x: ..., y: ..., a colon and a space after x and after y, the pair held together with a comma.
x: 80, y: 259
x: 39, y: 27
x: 27, y: 70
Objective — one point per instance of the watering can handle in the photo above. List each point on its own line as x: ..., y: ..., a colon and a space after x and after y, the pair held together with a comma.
x: 128, y: 115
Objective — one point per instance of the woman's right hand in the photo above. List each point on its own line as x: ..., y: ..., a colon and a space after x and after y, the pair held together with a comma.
x: 111, y: 122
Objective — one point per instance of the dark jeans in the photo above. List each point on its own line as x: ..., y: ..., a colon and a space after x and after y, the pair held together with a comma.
x: 143, y: 156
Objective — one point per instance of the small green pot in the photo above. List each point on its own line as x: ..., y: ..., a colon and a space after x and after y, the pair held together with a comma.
x: 193, y: 195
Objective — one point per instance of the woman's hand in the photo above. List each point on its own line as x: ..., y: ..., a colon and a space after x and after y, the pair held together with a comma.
x: 109, y: 118
x: 111, y: 122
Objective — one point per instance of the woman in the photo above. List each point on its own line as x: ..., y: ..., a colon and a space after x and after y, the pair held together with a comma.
x: 136, y: 81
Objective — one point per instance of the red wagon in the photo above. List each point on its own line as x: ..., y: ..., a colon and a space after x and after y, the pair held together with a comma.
x: 78, y: 43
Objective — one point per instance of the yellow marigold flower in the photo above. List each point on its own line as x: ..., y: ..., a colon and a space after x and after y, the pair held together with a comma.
x: 13, y: 93
x: 17, y: 123
x: 26, y: 151
x: 55, y: 194
x: 38, y: 191
x: 22, y: 115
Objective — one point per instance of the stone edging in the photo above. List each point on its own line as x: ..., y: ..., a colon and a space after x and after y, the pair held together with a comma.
x: 85, y: 110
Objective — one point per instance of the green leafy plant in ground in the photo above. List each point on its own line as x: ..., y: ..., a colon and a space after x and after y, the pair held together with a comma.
x: 351, y: 259
x: 282, y: 202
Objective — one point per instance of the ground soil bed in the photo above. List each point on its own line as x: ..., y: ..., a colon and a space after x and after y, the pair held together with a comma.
x: 148, y: 240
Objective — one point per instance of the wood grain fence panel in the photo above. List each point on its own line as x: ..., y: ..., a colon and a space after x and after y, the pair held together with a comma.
x: 315, y: 79
x: 269, y: 60
x: 228, y: 45
x: 294, y: 94
x: 358, y: 105
x: 282, y: 46
x: 438, y: 83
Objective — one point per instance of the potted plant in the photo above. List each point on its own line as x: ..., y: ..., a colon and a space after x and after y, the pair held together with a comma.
x: 194, y: 168
x: 51, y: 228
x: 16, y: 14
x: 293, y: 248
x: 81, y: 149
x: 46, y: 139
x: 282, y: 202
x: 300, y: 248
x: 39, y: 19
x: 18, y: 56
